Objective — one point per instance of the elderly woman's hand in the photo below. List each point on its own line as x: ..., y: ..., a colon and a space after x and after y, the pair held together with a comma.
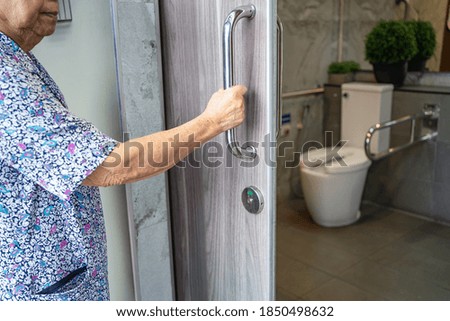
x: 226, y: 108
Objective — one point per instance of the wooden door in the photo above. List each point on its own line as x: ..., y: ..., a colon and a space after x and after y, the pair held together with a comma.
x: 221, y: 251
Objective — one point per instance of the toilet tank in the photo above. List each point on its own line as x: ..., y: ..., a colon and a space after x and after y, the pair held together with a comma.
x: 364, y: 105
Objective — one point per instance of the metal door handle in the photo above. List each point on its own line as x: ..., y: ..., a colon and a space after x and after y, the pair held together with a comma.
x: 279, y: 73
x: 228, y: 72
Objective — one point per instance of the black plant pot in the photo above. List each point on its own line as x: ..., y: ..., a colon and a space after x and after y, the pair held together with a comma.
x: 417, y: 64
x: 390, y: 73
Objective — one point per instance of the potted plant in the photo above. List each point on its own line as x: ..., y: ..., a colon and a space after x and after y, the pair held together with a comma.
x: 389, y: 46
x: 426, y: 44
x: 342, y: 72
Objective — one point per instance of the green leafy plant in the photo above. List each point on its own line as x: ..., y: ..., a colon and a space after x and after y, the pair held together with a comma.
x: 390, y: 42
x: 343, y: 67
x: 425, y: 38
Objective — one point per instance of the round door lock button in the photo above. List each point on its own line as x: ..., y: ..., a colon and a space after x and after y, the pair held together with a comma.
x: 253, y: 200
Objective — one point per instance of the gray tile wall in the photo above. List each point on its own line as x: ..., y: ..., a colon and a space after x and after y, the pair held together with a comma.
x: 417, y: 179
x: 306, y: 119
x: 310, y: 45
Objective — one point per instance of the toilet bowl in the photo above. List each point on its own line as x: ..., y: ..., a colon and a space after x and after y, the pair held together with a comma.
x: 333, y: 187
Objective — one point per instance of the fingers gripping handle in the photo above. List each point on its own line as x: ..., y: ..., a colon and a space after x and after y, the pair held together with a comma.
x: 232, y: 19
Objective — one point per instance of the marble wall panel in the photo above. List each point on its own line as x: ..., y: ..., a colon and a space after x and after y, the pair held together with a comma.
x: 310, y: 45
x: 305, y: 114
x: 362, y: 15
x: 140, y: 82
x: 434, y: 11
x: 310, y: 41
x: 359, y: 19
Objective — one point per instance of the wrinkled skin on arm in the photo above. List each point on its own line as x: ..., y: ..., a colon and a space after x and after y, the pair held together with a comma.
x: 150, y: 155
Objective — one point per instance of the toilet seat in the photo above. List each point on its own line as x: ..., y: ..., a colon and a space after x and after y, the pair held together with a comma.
x: 333, y: 188
x: 347, y: 159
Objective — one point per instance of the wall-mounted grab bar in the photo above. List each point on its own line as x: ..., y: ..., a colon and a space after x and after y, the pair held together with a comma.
x: 430, y: 112
x: 306, y: 92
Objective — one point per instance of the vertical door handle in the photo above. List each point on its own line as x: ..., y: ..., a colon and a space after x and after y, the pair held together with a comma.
x: 232, y: 19
x: 279, y: 73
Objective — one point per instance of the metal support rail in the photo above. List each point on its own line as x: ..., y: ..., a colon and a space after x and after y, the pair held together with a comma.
x: 307, y: 92
x: 280, y: 35
x: 430, y: 112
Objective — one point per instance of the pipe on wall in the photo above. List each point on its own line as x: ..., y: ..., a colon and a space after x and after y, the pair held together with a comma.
x: 406, y: 14
x: 341, y: 30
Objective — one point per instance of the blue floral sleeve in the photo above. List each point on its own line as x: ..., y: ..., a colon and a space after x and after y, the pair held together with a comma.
x: 41, y: 139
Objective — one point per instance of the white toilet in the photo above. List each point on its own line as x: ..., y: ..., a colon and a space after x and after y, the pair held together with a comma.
x: 333, y: 189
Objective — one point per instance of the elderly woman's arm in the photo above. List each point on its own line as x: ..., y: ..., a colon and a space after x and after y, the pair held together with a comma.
x: 153, y: 154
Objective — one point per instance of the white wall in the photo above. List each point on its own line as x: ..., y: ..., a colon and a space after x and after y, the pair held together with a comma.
x: 80, y: 57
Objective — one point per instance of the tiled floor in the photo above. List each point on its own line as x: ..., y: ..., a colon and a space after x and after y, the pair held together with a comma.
x: 387, y: 255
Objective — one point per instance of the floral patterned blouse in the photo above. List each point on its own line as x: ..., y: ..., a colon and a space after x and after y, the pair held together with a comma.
x: 50, y: 225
